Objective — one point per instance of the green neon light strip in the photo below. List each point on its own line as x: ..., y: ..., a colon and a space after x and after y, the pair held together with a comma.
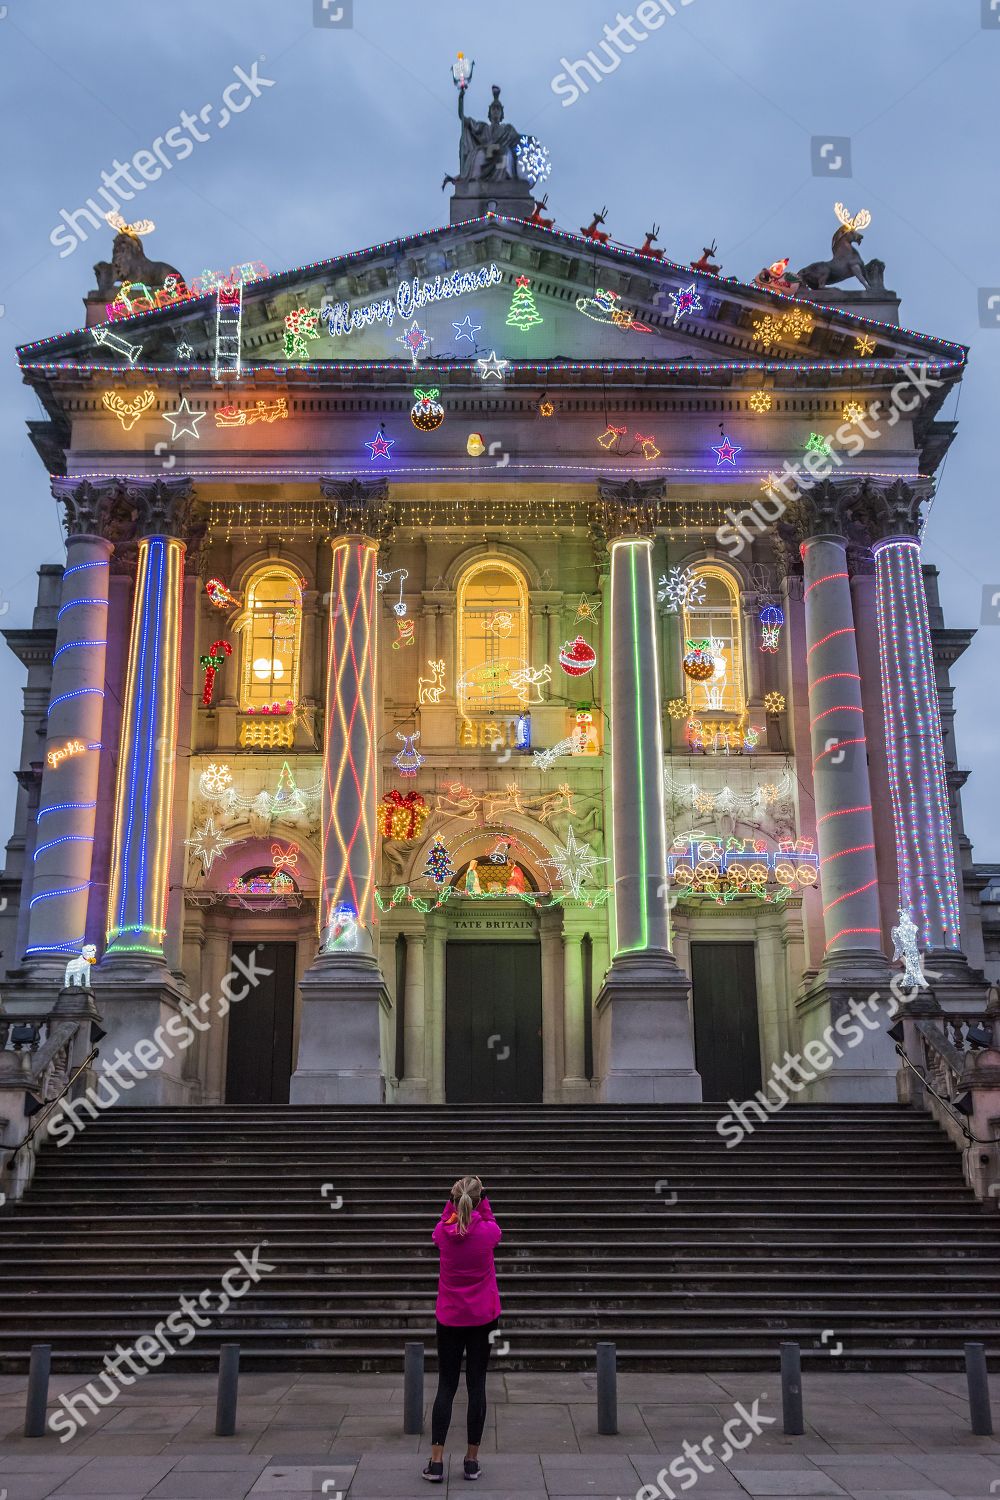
x: 639, y: 769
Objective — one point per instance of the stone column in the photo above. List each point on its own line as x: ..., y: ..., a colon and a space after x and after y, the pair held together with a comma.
x: 549, y: 929
x: 138, y: 993
x: 574, y: 1000
x: 848, y: 873
x: 647, y: 1047
x: 343, y: 992
x: 925, y: 847
x: 414, y: 1082
x: 854, y: 967
x: 67, y: 809
x: 144, y: 798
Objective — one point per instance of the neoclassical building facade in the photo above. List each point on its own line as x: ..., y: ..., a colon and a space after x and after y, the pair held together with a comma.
x: 516, y: 645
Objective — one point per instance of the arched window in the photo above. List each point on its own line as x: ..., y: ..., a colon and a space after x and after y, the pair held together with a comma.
x: 492, y: 638
x: 712, y: 621
x: 272, y: 637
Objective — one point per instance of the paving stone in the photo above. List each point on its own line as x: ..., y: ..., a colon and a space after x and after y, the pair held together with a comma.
x: 280, y: 1480
x: 116, y: 1476
x: 785, y: 1481
x: 28, y: 1486
x: 202, y: 1487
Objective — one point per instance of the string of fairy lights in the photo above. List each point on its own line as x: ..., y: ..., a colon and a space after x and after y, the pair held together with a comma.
x: 465, y: 517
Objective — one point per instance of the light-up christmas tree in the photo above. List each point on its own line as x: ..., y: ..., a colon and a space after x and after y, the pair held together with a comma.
x: 439, y: 866
x: 523, y: 312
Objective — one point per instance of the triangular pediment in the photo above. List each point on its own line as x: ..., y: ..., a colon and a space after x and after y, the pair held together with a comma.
x: 535, y: 296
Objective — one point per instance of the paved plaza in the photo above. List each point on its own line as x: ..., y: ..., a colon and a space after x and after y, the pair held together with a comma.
x: 871, y: 1437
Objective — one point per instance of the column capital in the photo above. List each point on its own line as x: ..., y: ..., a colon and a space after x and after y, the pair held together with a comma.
x: 823, y: 508
x: 628, y: 508
x: 162, y: 506
x: 84, y: 504
x: 359, y: 508
x: 893, y: 508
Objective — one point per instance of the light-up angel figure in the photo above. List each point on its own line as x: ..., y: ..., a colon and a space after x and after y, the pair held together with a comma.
x: 904, y: 937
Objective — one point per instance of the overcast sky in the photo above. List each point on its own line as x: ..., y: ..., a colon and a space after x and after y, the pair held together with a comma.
x: 706, y: 127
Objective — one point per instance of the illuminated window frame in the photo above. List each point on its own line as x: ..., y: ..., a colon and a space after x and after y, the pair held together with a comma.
x: 492, y: 563
x: 289, y: 687
x: 694, y: 630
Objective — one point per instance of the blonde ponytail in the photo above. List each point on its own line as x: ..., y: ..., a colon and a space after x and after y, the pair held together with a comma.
x: 465, y: 1195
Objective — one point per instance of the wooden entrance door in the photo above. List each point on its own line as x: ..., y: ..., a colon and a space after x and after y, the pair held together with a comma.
x: 259, y: 1054
x: 493, y: 1026
x: 726, y: 1034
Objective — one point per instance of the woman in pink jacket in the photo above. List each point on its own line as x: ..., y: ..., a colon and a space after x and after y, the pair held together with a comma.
x: 468, y: 1307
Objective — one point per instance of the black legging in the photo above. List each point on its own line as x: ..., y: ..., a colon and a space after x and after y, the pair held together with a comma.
x: 452, y: 1343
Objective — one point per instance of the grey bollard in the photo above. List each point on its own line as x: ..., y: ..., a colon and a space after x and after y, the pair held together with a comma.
x: 979, y: 1390
x: 607, y: 1390
x: 37, y: 1404
x: 413, y: 1388
x: 791, y: 1390
x: 229, y: 1378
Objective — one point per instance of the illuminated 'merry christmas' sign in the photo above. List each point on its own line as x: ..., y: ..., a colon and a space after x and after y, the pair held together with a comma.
x: 410, y: 297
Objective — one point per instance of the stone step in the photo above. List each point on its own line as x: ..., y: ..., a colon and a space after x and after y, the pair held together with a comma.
x: 848, y: 1219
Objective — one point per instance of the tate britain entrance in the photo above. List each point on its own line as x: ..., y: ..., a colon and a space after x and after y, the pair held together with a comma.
x: 493, y: 1021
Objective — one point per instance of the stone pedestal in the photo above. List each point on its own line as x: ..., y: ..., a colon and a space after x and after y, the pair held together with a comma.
x: 865, y: 1073
x: 643, y: 1032
x: 345, y: 1004
x: 143, y: 1053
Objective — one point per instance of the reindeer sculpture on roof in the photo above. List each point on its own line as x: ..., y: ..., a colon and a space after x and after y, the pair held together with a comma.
x: 129, y: 261
x: 846, y: 261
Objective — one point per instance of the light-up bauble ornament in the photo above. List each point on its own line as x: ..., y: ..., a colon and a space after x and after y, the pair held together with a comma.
x: 698, y: 663
x: 475, y: 446
x: 578, y: 657
x: 427, y: 413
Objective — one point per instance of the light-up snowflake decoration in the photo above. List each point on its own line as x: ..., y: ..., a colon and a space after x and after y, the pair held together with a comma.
x: 216, y: 780
x: 574, y: 863
x: 680, y: 588
x: 533, y: 160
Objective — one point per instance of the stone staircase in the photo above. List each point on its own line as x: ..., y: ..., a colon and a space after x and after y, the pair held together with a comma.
x: 847, y: 1229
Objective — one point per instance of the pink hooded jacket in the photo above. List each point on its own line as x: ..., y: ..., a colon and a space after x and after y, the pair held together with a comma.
x: 467, y: 1287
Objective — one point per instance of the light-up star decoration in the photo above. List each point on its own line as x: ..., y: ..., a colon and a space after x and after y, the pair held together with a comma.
x: 467, y: 330
x: 587, y: 609
x: 685, y: 301
x: 185, y: 351
x: 725, y: 453
x: 904, y: 937
x: 416, y: 339
x: 574, y: 863
x: 380, y: 446
x: 209, y: 843
x: 183, y: 420
x: 493, y: 368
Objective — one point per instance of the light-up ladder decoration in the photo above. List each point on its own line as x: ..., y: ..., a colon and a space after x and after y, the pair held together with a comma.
x: 228, y: 331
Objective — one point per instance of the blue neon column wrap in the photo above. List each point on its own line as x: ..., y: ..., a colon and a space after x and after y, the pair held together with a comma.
x: 64, y: 834
x: 145, y: 792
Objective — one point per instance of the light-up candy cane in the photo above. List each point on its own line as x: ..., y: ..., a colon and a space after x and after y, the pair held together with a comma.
x: 217, y: 653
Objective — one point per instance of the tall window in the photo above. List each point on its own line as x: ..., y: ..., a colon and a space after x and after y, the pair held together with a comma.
x: 712, y: 621
x: 272, y: 637
x: 492, y: 638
